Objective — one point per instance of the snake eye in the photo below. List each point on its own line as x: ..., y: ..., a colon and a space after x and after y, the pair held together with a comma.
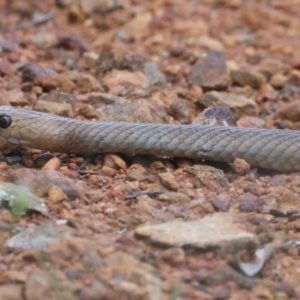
x: 5, y: 121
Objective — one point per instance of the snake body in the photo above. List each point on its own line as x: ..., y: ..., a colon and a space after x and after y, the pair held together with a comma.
x: 264, y: 148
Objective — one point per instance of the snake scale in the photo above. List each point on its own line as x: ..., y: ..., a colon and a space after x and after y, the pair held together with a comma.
x: 263, y: 148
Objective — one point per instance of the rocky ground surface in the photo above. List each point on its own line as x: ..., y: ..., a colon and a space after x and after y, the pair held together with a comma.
x: 139, y: 227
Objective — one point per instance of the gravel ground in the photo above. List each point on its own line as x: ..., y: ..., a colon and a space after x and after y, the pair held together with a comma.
x: 116, y: 226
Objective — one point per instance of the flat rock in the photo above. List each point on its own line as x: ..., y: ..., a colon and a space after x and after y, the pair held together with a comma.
x: 206, y: 173
x: 246, y: 77
x: 116, y: 78
x: 240, y: 105
x: 271, y: 66
x: 220, y: 230
x: 59, y: 82
x: 153, y: 74
x: 32, y: 72
x: 39, y: 237
x: 289, y: 111
x: 85, y: 83
x: 210, y: 72
x: 60, y: 109
x: 179, y: 110
x: 174, y: 197
x: 15, y: 97
x: 169, y: 181
x: 221, y: 116
x: 140, y: 111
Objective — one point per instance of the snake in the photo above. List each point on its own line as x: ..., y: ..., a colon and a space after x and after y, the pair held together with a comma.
x: 275, y: 149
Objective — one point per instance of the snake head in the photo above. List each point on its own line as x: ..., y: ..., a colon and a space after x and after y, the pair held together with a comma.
x: 14, y: 125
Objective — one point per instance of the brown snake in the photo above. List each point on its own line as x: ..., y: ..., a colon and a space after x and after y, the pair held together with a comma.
x: 265, y: 148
